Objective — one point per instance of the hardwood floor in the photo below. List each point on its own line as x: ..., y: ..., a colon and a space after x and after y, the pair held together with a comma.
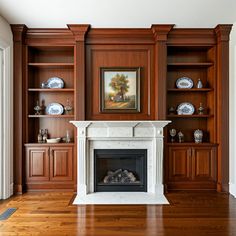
x: 188, y: 214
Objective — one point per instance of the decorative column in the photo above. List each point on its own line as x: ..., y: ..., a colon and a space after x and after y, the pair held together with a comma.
x: 160, y: 33
x: 158, y: 160
x: 19, y: 32
x: 79, y: 32
x: 222, y: 34
x: 82, y: 165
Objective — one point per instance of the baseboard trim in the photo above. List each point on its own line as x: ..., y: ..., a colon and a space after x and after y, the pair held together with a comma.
x: 232, y: 189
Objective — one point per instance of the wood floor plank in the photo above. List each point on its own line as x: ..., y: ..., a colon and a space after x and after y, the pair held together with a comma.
x: 190, y: 214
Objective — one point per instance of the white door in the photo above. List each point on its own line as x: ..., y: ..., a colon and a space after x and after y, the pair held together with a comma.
x: 1, y: 124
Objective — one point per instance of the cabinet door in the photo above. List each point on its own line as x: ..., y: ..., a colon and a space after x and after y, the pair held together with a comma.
x: 37, y: 163
x: 204, y: 163
x: 179, y: 163
x: 61, y: 163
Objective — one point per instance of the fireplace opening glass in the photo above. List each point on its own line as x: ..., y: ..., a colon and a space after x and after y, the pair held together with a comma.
x: 120, y: 170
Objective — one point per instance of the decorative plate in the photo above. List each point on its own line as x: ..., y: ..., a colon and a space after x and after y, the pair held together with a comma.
x: 185, y: 108
x: 54, y: 109
x: 184, y: 83
x: 55, y: 82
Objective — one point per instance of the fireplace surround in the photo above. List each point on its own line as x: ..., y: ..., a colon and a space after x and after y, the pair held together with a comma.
x: 120, y: 135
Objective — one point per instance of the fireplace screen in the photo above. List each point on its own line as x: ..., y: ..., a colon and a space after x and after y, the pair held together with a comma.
x: 122, y: 170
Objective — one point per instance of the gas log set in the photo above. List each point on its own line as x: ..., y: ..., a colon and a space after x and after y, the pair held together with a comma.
x: 120, y: 176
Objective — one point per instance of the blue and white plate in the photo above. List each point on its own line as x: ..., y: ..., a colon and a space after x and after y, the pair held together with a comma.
x: 55, y: 82
x: 185, y: 108
x: 54, y: 109
x: 184, y: 83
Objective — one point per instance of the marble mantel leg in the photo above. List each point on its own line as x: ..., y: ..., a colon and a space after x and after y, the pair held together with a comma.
x: 81, y: 163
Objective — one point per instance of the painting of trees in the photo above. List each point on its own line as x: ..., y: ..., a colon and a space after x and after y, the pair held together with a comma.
x: 120, y: 89
x: 119, y: 83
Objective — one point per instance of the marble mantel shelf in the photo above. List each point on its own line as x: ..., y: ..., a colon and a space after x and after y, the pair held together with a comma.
x: 92, y: 135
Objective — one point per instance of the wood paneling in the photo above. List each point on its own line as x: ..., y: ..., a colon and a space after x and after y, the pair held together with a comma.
x: 99, y: 56
x: 222, y: 32
x: 61, y: 167
x: 179, y: 163
x: 191, y: 166
x: 164, y: 54
x: 204, y: 164
x: 37, y: 163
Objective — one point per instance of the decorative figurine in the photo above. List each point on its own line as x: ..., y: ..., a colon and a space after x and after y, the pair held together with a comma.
x: 199, y: 84
x: 198, y: 135
x: 40, y: 136
x: 172, y: 134
x: 68, y: 107
x: 45, y: 136
x: 37, y: 108
x: 181, y: 137
x: 44, y: 85
x: 200, y: 109
x: 171, y: 111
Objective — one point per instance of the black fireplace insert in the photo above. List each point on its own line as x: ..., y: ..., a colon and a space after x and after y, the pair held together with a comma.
x: 120, y: 170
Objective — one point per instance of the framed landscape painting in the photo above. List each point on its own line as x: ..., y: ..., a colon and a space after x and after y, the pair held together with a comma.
x: 120, y: 90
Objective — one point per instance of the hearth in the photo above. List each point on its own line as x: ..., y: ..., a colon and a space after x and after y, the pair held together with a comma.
x: 120, y: 170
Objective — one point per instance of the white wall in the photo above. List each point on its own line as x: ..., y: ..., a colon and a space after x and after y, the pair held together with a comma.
x: 6, y: 114
x: 232, y: 111
x: 119, y: 13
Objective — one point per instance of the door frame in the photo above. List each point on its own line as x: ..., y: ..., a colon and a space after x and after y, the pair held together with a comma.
x: 6, y: 123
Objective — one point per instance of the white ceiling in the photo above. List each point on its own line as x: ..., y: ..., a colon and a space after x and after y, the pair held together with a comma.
x: 118, y: 13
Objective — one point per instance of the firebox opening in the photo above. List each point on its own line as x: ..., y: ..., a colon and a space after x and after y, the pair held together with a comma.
x: 120, y: 170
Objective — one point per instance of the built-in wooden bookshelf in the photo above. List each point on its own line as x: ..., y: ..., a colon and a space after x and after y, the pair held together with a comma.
x: 191, y: 165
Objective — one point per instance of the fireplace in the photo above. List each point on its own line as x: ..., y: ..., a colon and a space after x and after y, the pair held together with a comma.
x: 120, y: 170
x: 125, y: 148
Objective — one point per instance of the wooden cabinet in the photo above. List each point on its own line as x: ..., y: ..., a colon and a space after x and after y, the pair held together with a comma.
x: 49, y: 166
x: 179, y: 164
x: 61, y: 163
x: 191, y: 166
x: 37, y: 163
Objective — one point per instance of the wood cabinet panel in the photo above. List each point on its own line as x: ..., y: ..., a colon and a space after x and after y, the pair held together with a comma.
x: 61, y: 163
x: 37, y: 164
x: 179, y: 164
x: 204, y: 164
x: 192, y: 167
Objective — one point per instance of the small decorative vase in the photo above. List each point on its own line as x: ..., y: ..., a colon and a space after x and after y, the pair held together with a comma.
x: 200, y: 109
x: 67, y: 139
x: 68, y: 107
x: 198, y: 135
x: 172, y: 134
x: 37, y: 108
x: 171, y: 111
x: 199, y: 84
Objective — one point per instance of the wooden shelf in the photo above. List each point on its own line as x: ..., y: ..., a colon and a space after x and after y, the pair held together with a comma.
x: 52, y: 65
x: 190, y: 90
x: 191, y: 64
x: 191, y: 144
x: 51, y: 116
x: 189, y: 116
x: 51, y: 90
x: 49, y: 144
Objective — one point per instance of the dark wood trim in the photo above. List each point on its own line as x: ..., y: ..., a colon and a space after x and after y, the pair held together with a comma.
x: 160, y: 33
x: 79, y: 32
x: 192, y: 36
x: 222, y: 33
x: 19, y: 32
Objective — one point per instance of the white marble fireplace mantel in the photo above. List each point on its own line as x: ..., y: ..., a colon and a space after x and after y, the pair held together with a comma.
x: 93, y: 135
